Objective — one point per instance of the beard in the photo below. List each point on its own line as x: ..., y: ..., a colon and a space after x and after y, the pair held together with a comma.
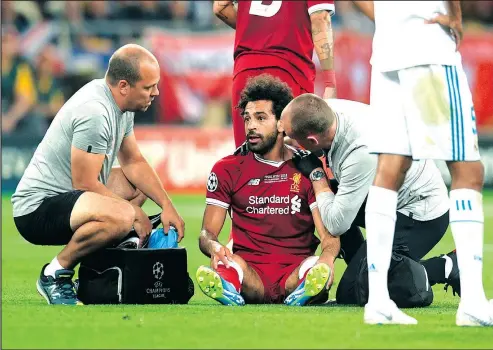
x: 266, y: 143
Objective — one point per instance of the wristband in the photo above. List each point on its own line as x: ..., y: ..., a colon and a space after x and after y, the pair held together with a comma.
x: 329, y: 77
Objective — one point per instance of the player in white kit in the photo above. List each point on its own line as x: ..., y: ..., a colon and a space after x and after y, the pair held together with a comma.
x: 424, y: 109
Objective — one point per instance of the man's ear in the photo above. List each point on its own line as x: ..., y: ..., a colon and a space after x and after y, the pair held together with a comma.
x: 124, y: 87
x: 280, y: 126
x: 313, y: 140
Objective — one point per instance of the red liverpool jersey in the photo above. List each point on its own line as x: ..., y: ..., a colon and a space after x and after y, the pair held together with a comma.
x: 277, y: 34
x: 271, y: 206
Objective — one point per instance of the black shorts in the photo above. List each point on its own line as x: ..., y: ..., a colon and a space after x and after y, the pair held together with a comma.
x: 50, y: 223
x: 418, y: 238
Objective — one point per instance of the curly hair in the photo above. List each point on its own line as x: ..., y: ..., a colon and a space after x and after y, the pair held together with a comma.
x: 269, y: 88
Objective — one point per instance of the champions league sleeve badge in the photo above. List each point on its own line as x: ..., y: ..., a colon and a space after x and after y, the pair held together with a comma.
x: 212, y: 182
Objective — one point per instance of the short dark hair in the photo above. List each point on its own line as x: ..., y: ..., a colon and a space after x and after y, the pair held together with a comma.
x: 124, y: 68
x: 269, y: 88
x: 310, y: 115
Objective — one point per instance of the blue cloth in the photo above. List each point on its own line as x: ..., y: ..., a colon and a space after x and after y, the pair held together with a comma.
x: 159, y: 239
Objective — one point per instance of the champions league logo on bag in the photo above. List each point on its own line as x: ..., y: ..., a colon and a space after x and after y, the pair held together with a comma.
x: 155, y: 273
x: 158, y: 291
x: 161, y: 240
x: 158, y: 270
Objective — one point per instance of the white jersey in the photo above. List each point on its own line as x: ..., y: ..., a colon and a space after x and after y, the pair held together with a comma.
x: 423, y: 196
x: 402, y: 39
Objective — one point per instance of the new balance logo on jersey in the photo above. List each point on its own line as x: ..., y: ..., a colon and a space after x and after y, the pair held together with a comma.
x: 254, y: 182
x: 295, y: 204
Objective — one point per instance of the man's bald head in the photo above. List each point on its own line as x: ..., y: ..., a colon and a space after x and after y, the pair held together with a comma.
x: 308, y: 115
x: 125, y: 64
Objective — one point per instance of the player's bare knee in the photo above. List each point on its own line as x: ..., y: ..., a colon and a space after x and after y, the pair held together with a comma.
x: 240, y: 261
x: 139, y: 198
x: 127, y: 218
x: 121, y: 220
x: 467, y: 175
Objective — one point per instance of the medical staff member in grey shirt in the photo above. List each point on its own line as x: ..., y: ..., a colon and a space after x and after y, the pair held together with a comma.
x: 339, y: 128
x: 70, y: 195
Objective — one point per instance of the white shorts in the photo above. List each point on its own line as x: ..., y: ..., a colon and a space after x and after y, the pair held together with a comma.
x: 425, y: 112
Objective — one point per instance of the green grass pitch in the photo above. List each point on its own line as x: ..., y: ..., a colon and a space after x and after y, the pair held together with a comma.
x: 28, y: 322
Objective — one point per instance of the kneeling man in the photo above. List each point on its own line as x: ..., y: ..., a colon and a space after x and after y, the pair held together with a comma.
x: 69, y: 195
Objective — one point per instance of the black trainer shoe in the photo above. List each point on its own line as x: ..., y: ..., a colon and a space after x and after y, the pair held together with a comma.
x: 453, y: 279
x: 59, y: 290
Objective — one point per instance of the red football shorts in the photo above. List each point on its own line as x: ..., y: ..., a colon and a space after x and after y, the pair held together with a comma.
x: 239, y: 82
x: 273, y: 275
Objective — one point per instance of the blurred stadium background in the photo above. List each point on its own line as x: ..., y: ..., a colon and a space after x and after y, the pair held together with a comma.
x: 52, y: 48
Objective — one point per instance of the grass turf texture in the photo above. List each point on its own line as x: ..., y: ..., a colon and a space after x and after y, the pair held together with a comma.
x: 28, y: 322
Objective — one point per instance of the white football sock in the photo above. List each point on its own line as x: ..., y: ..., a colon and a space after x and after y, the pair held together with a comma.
x: 449, y: 264
x: 53, y: 267
x: 467, y: 224
x: 380, y: 226
x: 306, y: 265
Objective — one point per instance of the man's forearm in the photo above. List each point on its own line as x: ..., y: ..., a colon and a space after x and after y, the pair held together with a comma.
x: 322, y: 190
x: 206, y: 242
x: 330, y: 247
x: 323, y: 39
x: 333, y: 218
x: 337, y: 216
x: 226, y: 12
x: 143, y: 177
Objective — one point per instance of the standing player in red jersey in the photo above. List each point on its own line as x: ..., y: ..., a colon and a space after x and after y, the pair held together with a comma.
x: 274, y: 215
x: 278, y: 39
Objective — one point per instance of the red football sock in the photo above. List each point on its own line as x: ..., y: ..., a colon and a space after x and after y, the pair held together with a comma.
x: 230, y: 275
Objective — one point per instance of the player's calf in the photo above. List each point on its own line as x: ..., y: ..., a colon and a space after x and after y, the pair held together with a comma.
x: 467, y: 226
x: 95, y: 221
x: 466, y: 175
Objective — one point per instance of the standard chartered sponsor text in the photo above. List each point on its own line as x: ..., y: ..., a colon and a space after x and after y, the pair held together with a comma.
x: 256, y: 205
x: 267, y: 200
